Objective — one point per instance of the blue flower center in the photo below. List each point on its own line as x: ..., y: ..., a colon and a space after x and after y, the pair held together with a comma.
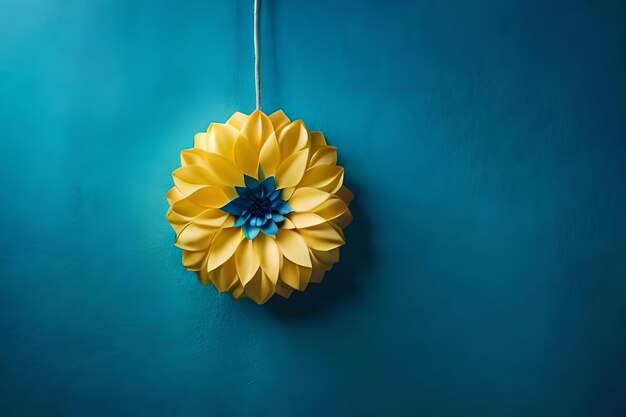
x: 259, y: 207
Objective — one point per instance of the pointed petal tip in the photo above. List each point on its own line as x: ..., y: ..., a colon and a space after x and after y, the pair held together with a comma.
x: 270, y: 228
x: 233, y: 207
x: 251, y: 182
x: 250, y: 232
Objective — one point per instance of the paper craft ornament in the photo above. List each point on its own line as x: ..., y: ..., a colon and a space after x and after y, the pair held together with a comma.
x: 258, y: 205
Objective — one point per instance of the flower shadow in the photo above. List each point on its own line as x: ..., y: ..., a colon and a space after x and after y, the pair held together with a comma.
x: 340, y: 284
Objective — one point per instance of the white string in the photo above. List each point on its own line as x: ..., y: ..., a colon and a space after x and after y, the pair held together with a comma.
x: 257, y: 58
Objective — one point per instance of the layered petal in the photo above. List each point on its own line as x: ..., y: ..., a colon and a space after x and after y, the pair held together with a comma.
x: 306, y: 199
x: 219, y: 139
x: 225, y: 277
x: 323, y: 237
x: 247, y: 261
x: 257, y: 128
x: 223, y: 171
x: 291, y: 169
x: 224, y: 245
x: 325, y: 155
x: 293, y: 247
x: 246, y: 159
x: 293, y: 137
x: 279, y: 120
x: 260, y: 288
x: 269, y: 157
x: 269, y: 256
x: 322, y: 177
x: 237, y: 120
x: 195, y: 237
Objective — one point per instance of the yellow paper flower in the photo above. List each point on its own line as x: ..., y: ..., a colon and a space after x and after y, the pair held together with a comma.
x: 259, y: 205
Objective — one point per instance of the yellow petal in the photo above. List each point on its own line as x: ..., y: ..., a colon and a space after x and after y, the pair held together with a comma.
x: 237, y: 120
x: 209, y: 196
x: 293, y: 247
x: 194, y: 261
x: 322, y: 237
x: 279, y: 120
x: 318, y: 271
x: 269, y: 256
x: 293, y: 138
x: 345, y: 194
x: 326, y: 258
x: 187, y: 209
x: 270, y: 156
x: 321, y: 176
x: 283, y: 291
x: 200, y: 141
x: 306, y: 199
x: 229, y: 222
x: 326, y: 155
x: 203, y: 276
x: 291, y: 169
x: 221, y: 139
x: 174, y: 195
x: 317, y: 140
x: 211, y: 217
x: 189, y: 178
x: 245, y: 158
x: 237, y: 291
x: 290, y: 274
x: 343, y: 220
x: 225, y: 277
x: 193, y: 157
x: 334, y: 185
x: 303, y: 220
x: 195, y: 237
x: 223, y: 171
x: 223, y: 247
x: 246, y: 261
x: 257, y: 129
x: 287, y: 224
x: 177, y: 221
x: 305, y: 277
x: 260, y: 288
x: 331, y: 209
x: 287, y: 193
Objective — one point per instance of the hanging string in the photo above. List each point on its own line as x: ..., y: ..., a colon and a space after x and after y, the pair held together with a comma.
x: 257, y: 58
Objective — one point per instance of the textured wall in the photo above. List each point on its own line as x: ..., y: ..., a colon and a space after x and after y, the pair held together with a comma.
x: 485, y: 272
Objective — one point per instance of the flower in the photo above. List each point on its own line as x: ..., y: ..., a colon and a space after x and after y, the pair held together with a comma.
x: 259, y: 206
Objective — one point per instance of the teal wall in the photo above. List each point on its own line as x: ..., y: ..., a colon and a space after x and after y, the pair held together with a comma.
x: 485, y: 273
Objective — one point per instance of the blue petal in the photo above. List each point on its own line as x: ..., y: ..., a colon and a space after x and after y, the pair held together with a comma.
x: 251, y: 182
x: 239, y: 221
x: 261, y: 173
x: 276, y: 204
x: 268, y: 216
x: 275, y: 194
x: 282, y: 208
x: 253, y: 222
x: 277, y: 218
x: 260, y: 221
x: 250, y: 232
x: 269, y: 185
x: 243, y: 192
x: 270, y: 228
x: 235, y: 207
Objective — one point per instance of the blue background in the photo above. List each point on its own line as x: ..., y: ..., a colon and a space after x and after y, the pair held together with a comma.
x: 485, y: 273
